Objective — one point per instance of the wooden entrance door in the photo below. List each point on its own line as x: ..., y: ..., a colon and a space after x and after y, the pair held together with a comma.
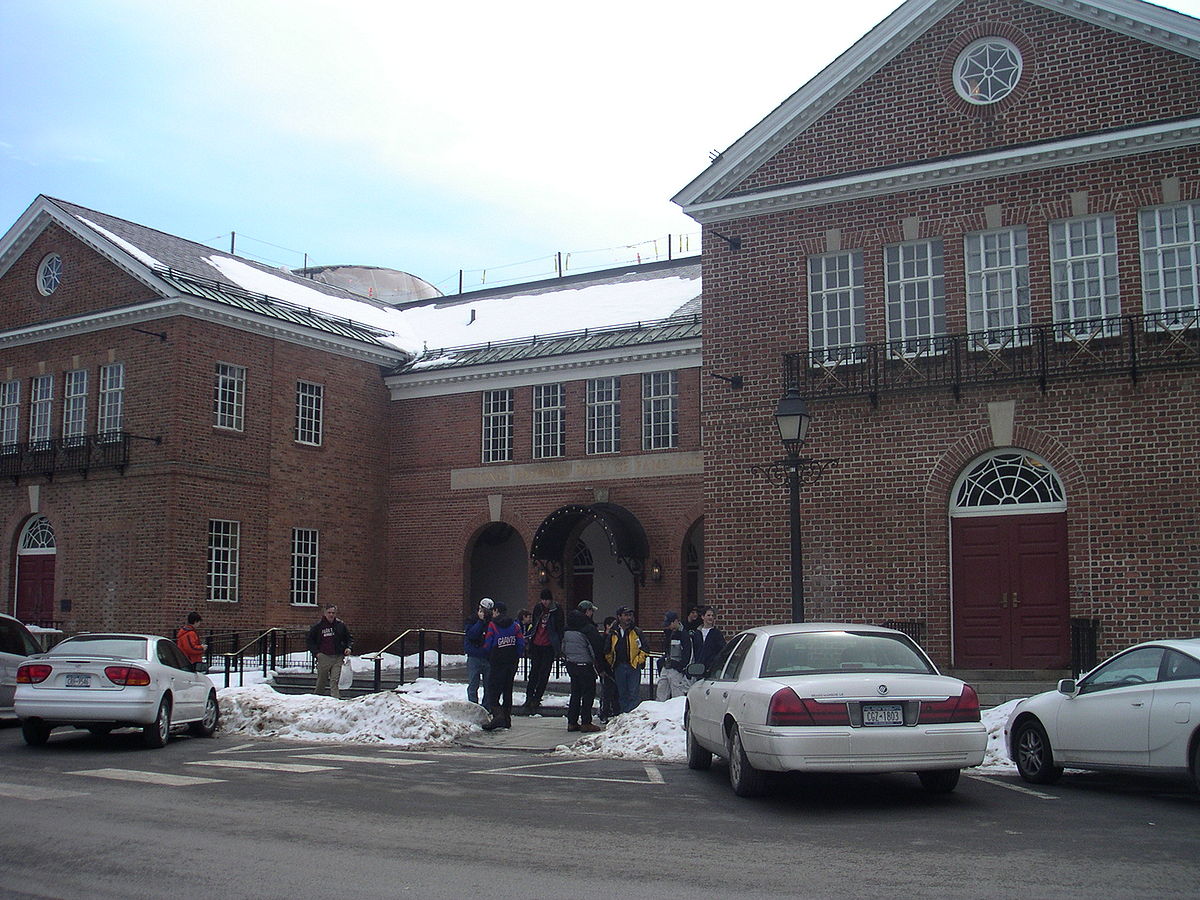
x: 35, y: 587
x: 1011, y: 600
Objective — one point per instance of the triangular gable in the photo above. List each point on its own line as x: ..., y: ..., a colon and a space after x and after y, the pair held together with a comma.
x: 1133, y: 18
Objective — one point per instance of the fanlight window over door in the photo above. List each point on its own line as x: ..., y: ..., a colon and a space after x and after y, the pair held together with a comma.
x: 38, y: 537
x: 1008, y: 482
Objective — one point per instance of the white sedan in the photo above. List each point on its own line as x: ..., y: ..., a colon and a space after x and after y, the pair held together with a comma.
x: 106, y: 681
x: 1137, y: 712
x: 831, y: 698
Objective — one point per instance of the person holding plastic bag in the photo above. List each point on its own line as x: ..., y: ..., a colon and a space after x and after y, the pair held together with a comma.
x: 329, y: 640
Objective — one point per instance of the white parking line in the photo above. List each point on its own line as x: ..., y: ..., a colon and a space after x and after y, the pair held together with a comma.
x: 29, y: 792
x: 298, y: 768
x: 146, y: 777
x: 991, y: 779
x: 654, y: 777
x: 379, y: 760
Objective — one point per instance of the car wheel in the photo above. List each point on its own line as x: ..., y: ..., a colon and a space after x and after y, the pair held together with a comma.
x: 1035, y: 759
x: 157, y: 732
x: 697, y: 757
x: 207, y: 725
x: 940, y: 781
x: 746, y: 780
x: 35, y: 733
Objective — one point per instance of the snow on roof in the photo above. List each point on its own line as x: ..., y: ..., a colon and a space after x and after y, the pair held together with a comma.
x: 136, y: 252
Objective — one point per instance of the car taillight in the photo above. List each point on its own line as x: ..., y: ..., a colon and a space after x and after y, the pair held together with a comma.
x: 32, y: 673
x: 788, y: 709
x: 127, y: 675
x: 963, y: 708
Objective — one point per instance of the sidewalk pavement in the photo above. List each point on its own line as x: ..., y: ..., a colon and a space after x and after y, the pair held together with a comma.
x: 537, y: 733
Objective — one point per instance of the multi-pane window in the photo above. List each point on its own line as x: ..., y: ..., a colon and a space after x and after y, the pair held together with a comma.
x: 497, y: 426
x: 310, y: 400
x: 835, y: 304
x: 548, y: 412
x: 41, y: 400
x: 660, y: 410
x: 604, y: 415
x: 224, y: 544
x: 110, y: 414
x: 1171, y: 262
x: 229, y: 396
x: 1083, y: 272
x: 916, y: 298
x: 998, y: 285
x: 75, y: 390
x: 306, y: 544
x: 10, y: 415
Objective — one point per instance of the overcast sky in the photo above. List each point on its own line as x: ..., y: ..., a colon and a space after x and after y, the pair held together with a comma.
x: 457, y: 135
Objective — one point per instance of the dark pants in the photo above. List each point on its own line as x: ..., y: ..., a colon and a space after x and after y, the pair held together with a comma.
x: 583, y: 693
x: 498, y: 696
x: 541, y: 660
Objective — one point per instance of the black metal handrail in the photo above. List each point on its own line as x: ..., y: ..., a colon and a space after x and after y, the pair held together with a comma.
x: 74, y: 454
x: 270, y: 650
x: 401, y: 639
x: 1119, y: 345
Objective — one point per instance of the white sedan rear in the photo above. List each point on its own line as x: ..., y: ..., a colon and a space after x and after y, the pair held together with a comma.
x: 106, y: 681
x: 831, y: 698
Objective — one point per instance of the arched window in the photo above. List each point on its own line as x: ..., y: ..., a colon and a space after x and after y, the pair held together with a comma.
x: 1007, y: 481
x: 582, y: 563
x: 38, y: 536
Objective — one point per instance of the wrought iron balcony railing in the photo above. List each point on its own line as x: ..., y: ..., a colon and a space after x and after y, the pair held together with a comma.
x: 1121, y: 345
x: 75, y: 454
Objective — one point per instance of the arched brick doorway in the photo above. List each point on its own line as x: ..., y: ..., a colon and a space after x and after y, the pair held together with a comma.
x: 36, y: 555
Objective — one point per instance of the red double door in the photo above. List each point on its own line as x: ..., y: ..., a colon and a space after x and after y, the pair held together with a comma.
x: 35, y: 587
x: 1011, y: 600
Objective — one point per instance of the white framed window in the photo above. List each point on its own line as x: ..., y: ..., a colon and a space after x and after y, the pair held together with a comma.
x: 224, y: 548
x: 835, y: 304
x: 548, y: 417
x: 41, y: 402
x: 1083, y: 273
x: 310, y: 400
x: 998, y: 285
x: 1171, y: 262
x: 10, y: 415
x: 75, y: 392
x: 497, y: 426
x: 915, y: 293
x: 229, y: 397
x: 604, y: 415
x: 987, y: 71
x: 49, y: 274
x: 660, y: 410
x: 110, y: 414
x: 306, y: 546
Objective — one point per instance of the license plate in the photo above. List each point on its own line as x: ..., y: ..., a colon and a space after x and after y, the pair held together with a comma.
x: 79, y: 681
x: 879, y: 714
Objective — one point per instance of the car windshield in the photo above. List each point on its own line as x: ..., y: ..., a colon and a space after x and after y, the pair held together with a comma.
x: 116, y: 646
x: 823, y: 652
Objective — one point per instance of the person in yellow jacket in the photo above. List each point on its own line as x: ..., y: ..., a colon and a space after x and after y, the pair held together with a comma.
x: 626, y: 655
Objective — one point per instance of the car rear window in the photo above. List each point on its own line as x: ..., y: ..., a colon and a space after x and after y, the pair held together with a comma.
x: 102, y: 645
x: 823, y: 652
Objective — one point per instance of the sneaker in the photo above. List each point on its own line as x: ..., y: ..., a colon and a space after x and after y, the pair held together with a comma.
x: 590, y: 728
x: 573, y: 726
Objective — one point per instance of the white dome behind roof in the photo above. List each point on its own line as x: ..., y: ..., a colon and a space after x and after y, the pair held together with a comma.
x: 389, y: 286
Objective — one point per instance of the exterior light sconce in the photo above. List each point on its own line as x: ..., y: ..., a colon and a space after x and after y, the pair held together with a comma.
x: 655, y: 571
x: 543, y: 576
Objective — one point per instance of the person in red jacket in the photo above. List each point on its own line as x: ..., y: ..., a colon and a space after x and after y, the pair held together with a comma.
x: 188, y: 640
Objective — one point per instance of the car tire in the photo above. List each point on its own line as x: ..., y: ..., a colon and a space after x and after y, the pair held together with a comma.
x: 697, y: 757
x: 940, y: 781
x: 207, y: 726
x: 158, y: 732
x: 1035, y: 758
x: 35, y: 733
x: 745, y: 780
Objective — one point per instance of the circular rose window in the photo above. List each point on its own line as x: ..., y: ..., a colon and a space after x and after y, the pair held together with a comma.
x: 987, y: 71
x: 49, y: 275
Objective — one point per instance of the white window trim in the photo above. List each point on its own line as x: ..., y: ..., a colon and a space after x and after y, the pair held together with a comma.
x: 660, y: 410
x: 306, y: 562
x: 604, y: 416
x: 229, y: 397
x: 835, y: 343
x: 224, y: 560
x: 549, y: 415
x: 990, y: 298
x: 921, y: 339
x: 497, y: 426
x: 310, y: 413
x: 1154, y: 298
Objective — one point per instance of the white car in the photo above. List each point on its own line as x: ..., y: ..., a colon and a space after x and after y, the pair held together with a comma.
x: 1137, y: 712
x: 831, y: 698
x: 16, y: 643
x: 106, y: 681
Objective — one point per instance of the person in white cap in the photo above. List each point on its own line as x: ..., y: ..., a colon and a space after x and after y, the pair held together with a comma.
x: 477, y: 654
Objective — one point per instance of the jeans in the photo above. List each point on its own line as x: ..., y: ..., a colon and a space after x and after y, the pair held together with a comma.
x: 477, y: 674
x: 541, y: 660
x: 629, y: 686
x: 583, y: 693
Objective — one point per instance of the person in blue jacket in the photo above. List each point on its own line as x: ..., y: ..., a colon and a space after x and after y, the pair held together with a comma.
x: 708, y: 640
x: 477, y: 657
x: 505, y: 644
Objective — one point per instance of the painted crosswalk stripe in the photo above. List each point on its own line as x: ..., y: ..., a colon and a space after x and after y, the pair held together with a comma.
x: 654, y: 775
x: 296, y: 768
x: 380, y: 760
x: 146, y: 777
x: 30, y: 792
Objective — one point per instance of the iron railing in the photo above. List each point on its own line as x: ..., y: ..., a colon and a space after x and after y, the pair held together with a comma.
x: 1039, y: 354
x: 1085, y: 638
x: 270, y: 650
x: 75, y: 454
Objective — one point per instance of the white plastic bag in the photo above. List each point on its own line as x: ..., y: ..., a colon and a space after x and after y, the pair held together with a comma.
x: 346, y: 678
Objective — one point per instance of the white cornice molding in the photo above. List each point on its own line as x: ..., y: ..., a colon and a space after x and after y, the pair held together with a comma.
x: 685, y: 354
x: 1134, y: 18
x: 880, y: 182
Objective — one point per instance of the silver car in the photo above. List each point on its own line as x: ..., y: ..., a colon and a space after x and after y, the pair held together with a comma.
x: 106, y: 681
x: 831, y: 698
x: 16, y: 643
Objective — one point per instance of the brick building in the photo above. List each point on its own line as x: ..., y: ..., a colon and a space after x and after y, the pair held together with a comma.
x: 972, y: 243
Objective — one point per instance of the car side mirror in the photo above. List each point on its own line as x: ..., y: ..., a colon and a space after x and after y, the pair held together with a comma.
x: 1067, y: 686
x: 696, y: 669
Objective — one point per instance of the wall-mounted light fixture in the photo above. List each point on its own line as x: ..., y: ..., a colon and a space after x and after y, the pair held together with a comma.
x: 734, y: 381
x: 543, y: 576
x: 655, y: 571
x: 735, y: 243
